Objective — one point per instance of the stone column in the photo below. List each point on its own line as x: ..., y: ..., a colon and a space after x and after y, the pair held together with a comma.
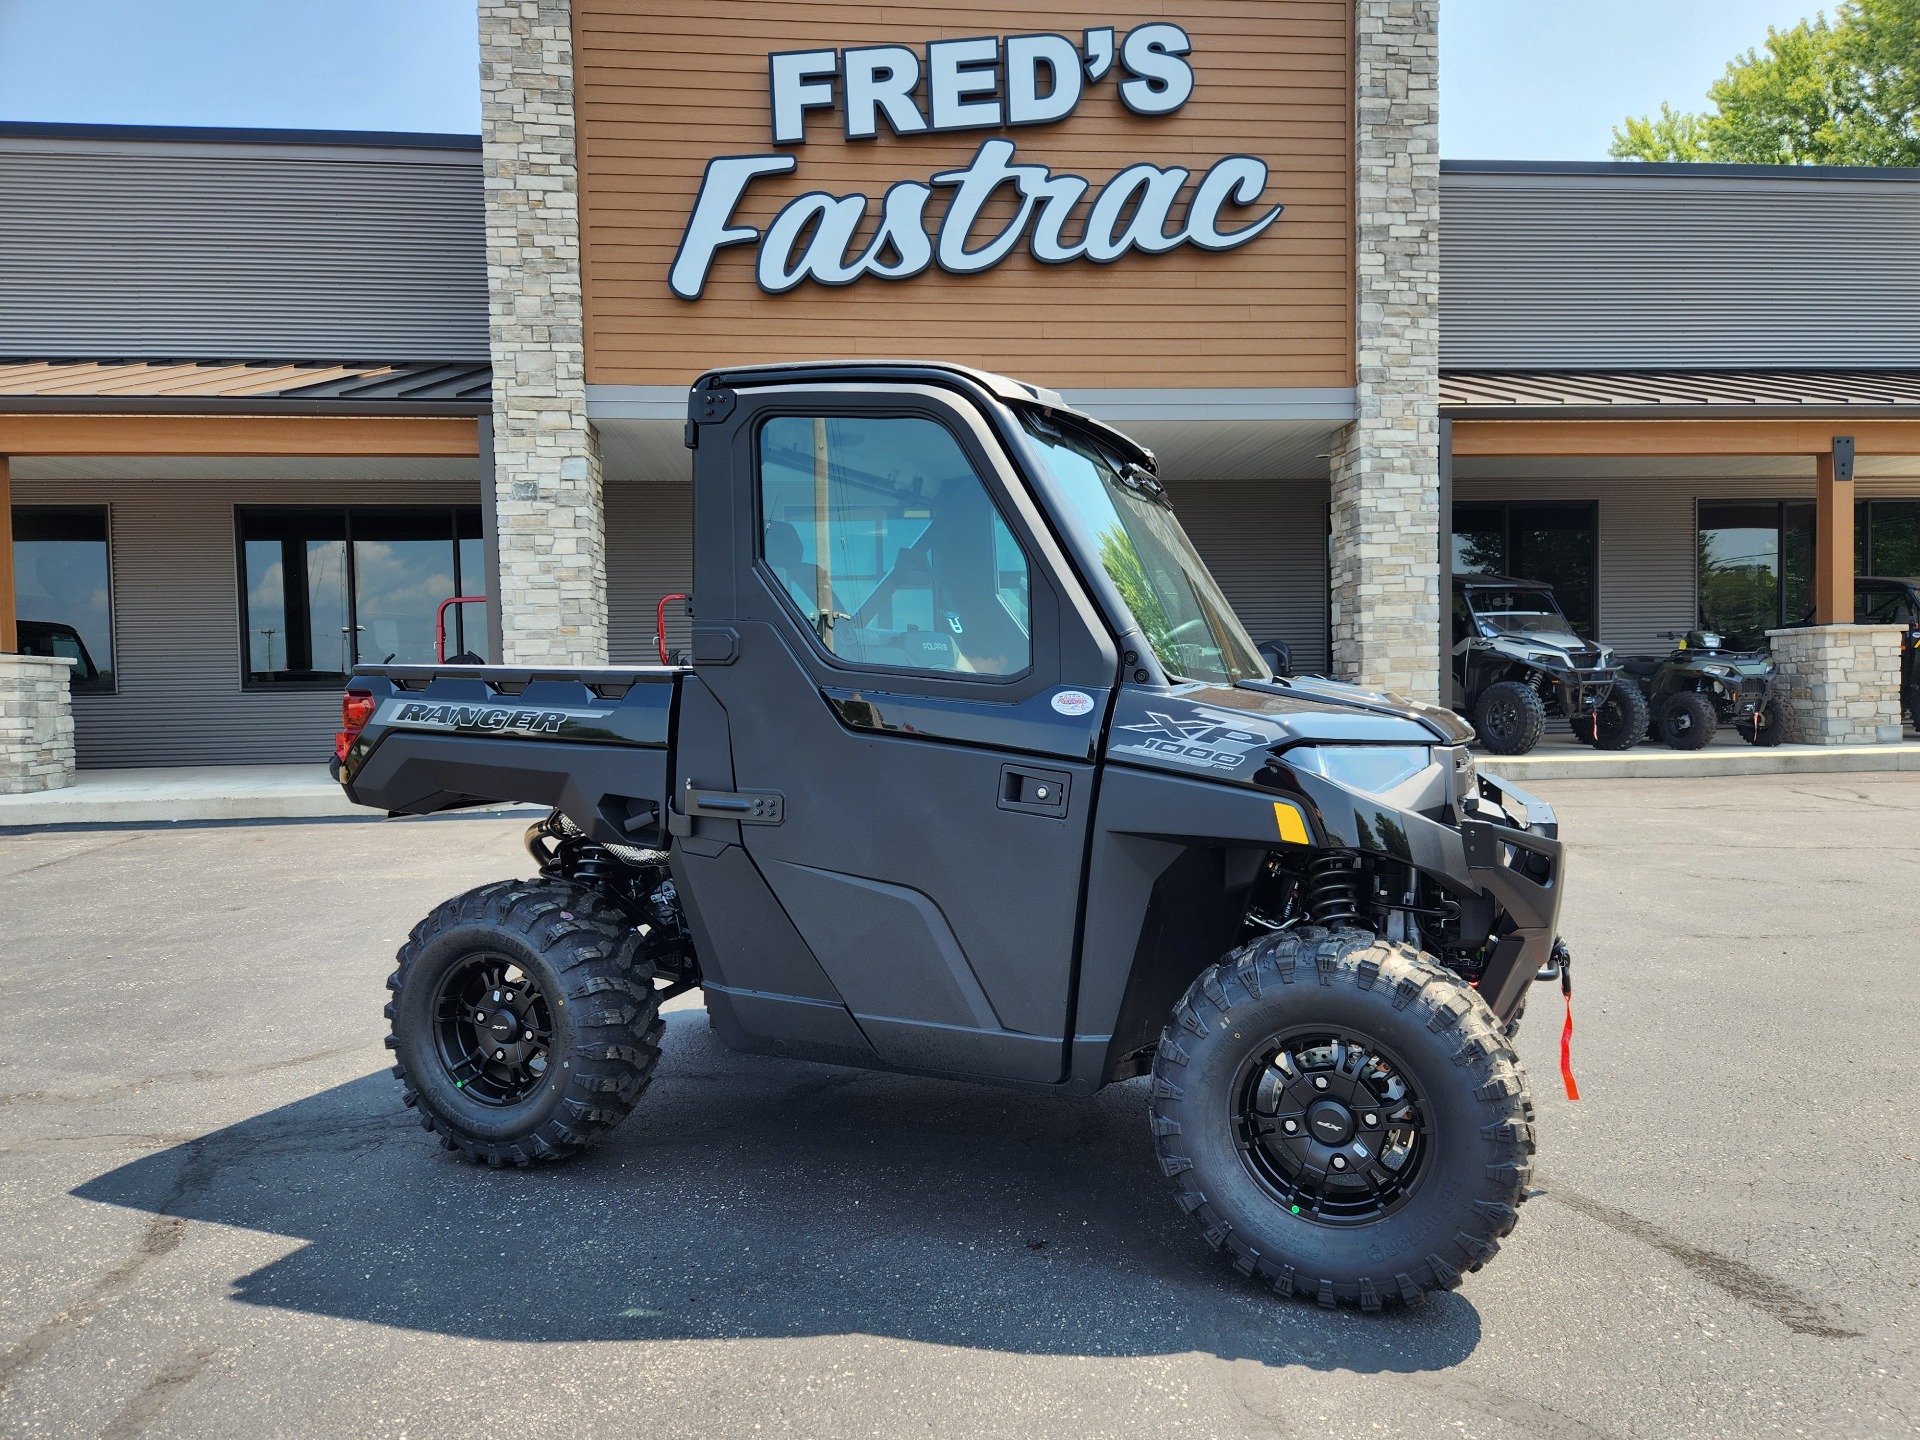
x: 1842, y: 683
x: 1386, y: 465
x: 552, y: 578
x: 36, y: 724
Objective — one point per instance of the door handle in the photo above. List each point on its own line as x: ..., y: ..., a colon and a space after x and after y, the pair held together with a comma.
x: 1033, y: 791
x: 749, y: 807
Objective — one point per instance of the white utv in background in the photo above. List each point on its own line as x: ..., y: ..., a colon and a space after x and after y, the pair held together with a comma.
x: 1517, y: 660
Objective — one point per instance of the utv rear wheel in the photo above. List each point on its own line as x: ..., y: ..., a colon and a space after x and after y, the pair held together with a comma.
x: 1510, y: 718
x: 1343, y: 1117
x: 1619, y: 724
x: 1687, y: 721
x: 524, y: 1028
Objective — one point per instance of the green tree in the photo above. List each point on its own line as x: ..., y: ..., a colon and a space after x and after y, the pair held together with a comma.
x: 1845, y: 92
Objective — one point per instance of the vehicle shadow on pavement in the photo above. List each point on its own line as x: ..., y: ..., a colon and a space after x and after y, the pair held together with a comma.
x: 753, y: 1198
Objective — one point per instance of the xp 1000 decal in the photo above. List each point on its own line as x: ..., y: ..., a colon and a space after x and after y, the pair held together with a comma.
x: 1204, y: 739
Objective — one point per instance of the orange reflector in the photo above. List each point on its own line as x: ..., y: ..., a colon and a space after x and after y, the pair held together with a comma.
x: 1293, y: 829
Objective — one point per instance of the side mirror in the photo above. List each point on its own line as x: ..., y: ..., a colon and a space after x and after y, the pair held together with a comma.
x: 1278, y: 655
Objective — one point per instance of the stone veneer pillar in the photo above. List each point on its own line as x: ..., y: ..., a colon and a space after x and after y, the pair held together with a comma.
x: 547, y: 482
x: 1385, y: 576
x: 36, y: 724
x: 1842, y: 683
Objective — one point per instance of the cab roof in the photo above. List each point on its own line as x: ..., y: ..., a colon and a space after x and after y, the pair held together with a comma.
x: 926, y: 372
x: 1498, y: 582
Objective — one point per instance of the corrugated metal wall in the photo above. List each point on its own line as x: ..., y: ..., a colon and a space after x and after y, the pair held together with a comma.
x: 649, y: 554
x: 1647, y: 540
x: 149, y: 249
x: 1265, y: 541
x: 176, y: 622
x: 1633, y: 268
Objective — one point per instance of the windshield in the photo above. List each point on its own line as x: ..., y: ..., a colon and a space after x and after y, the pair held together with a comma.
x: 1522, y: 612
x: 1146, y: 554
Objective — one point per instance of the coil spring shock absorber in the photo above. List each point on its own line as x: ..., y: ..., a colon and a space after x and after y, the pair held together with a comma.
x: 1336, y: 890
x: 589, y: 864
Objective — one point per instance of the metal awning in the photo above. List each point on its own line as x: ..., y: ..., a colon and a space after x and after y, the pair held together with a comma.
x: 1679, y: 394
x: 258, y: 387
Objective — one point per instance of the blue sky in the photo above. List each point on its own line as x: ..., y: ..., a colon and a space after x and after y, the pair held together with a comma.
x: 1520, y: 79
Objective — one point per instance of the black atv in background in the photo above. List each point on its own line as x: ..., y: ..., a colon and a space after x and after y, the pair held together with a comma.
x: 1705, y: 684
x: 1517, y: 660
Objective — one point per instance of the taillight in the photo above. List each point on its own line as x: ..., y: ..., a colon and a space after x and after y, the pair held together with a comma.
x: 356, y: 709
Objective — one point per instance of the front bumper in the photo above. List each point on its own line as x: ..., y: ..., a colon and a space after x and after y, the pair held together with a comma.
x: 1506, y: 847
x: 1520, y: 861
x: 1581, y: 692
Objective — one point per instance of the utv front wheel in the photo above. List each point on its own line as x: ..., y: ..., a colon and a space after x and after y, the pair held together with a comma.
x: 1619, y: 724
x: 1343, y: 1117
x: 1510, y: 718
x: 523, y: 1027
x: 1687, y: 721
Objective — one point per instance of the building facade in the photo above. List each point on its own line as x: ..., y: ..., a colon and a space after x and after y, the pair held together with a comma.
x: 268, y: 402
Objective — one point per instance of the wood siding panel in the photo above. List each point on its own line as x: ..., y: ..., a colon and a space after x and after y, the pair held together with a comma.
x: 176, y: 622
x: 663, y: 88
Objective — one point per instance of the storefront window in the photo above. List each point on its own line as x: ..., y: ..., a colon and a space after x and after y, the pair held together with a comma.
x: 1755, y: 568
x: 326, y: 589
x: 62, y: 591
x: 1886, y: 537
x: 1555, y: 543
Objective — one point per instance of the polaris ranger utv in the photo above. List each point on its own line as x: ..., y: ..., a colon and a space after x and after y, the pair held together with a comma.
x: 973, y: 773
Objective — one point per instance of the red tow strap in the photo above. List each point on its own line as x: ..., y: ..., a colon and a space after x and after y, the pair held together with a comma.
x: 1566, y: 1035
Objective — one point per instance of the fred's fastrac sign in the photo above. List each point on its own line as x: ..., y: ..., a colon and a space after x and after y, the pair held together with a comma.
x: 1090, y: 195
x: 999, y: 202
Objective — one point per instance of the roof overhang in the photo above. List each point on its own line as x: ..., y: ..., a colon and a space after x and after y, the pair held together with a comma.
x: 231, y: 387
x: 1196, y: 434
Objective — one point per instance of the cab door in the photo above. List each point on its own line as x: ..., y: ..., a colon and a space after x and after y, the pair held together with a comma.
x: 914, y: 691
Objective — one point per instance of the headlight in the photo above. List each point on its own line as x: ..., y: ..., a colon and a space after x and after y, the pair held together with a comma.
x: 1371, y: 768
x: 1718, y: 669
x: 1550, y: 662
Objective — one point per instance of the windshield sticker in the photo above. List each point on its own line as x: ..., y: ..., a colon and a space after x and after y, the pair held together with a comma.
x: 1203, y: 743
x: 1073, y: 702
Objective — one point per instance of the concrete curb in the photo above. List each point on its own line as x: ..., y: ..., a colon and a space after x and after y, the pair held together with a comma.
x: 1649, y: 763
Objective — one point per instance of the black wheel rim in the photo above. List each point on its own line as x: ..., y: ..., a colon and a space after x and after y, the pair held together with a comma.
x: 1329, y: 1124
x: 1503, y: 719
x: 492, y: 1029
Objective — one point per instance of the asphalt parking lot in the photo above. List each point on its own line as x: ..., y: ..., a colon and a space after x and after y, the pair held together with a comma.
x: 217, y: 1219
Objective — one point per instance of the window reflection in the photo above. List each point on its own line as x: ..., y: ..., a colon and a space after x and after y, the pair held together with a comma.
x: 1755, y: 568
x: 1555, y: 543
x: 62, y: 591
x: 326, y: 589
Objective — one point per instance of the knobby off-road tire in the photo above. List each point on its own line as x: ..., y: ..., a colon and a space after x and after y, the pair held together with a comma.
x: 1510, y: 718
x: 1687, y: 721
x: 563, y: 958
x: 1402, y: 1011
x: 1772, y: 729
x: 1619, y: 724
